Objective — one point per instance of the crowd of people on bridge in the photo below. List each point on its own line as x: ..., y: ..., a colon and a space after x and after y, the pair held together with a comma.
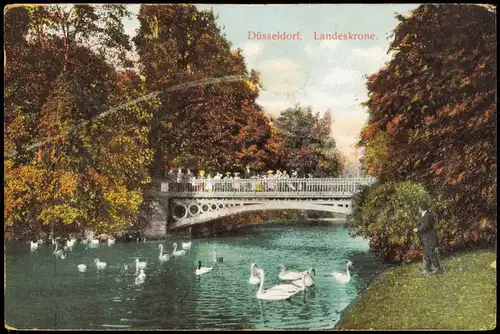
x: 185, y: 180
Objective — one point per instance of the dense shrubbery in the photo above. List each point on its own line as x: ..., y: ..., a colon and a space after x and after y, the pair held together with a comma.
x: 388, y: 212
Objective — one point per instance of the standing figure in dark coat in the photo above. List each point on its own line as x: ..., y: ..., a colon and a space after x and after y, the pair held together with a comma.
x: 429, y: 239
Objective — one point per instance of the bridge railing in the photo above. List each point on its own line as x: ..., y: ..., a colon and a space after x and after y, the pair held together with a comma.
x: 263, y: 186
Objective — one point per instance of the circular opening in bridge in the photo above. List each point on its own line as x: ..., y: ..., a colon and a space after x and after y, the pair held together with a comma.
x: 179, y: 212
x: 227, y: 205
x: 204, y: 207
x: 193, y: 209
x: 213, y: 207
x: 347, y: 205
x: 221, y: 206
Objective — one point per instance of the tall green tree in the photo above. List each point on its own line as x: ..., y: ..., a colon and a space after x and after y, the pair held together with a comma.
x: 303, y: 142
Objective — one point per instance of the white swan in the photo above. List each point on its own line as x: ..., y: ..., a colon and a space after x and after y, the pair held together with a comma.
x: 70, y: 243
x: 309, y: 278
x: 94, y: 241
x: 341, y: 277
x: 276, y: 293
x: 290, y: 275
x: 215, y: 258
x: 33, y: 245
x: 176, y: 252
x: 139, y: 265
x: 99, y: 264
x: 203, y: 270
x: 254, y: 279
x: 140, y: 278
x: 163, y: 257
x: 186, y: 245
x: 111, y: 241
x: 59, y: 253
x: 82, y: 268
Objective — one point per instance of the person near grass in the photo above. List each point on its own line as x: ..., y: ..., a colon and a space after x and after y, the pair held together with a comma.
x: 429, y: 239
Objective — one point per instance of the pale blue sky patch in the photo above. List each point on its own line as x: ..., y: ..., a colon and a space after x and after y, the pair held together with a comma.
x: 326, y: 74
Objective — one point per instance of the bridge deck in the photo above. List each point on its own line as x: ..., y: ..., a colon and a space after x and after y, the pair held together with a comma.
x: 260, y: 188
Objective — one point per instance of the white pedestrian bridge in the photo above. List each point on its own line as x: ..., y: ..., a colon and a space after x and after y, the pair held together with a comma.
x: 190, y: 202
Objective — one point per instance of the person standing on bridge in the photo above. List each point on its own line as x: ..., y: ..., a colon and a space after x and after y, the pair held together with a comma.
x: 429, y: 239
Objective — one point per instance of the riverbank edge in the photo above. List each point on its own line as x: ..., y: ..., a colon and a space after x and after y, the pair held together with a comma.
x: 381, y: 278
x: 343, y: 314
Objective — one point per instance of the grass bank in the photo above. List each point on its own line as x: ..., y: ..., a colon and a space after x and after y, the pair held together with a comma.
x: 462, y: 297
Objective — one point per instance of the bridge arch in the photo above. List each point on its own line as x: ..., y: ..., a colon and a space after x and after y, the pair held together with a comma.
x: 342, y: 207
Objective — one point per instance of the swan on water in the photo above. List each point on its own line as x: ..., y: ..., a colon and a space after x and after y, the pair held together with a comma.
x: 309, y: 278
x: 288, y: 275
x: 186, y: 245
x: 217, y: 259
x: 163, y: 257
x: 99, y: 264
x: 82, y: 267
x: 178, y: 252
x: 276, y: 293
x: 254, y: 278
x: 125, y: 266
x: 33, y: 245
x: 111, y: 241
x: 139, y: 265
x: 70, y: 243
x: 203, y: 270
x: 94, y: 241
x: 63, y: 256
x: 59, y: 253
x: 140, y: 278
x: 343, y: 278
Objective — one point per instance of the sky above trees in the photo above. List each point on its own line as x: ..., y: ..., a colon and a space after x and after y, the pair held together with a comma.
x: 323, y: 74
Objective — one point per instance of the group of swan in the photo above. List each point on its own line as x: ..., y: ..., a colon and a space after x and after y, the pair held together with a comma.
x: 185, y: 247
x: 138, y: 265
x: 278, y: 292
x: 299, y: 281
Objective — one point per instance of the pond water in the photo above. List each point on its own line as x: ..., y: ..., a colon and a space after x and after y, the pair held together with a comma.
x: 43, y: 292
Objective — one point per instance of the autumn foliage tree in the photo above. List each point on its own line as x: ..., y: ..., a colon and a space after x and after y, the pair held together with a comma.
x: 214, y: 125
x: 70, y: 164
x: 432, y: 115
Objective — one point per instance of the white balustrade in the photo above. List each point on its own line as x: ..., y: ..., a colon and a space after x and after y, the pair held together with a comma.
x: 280, y: 187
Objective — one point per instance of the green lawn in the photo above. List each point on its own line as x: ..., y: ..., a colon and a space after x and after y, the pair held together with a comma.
x: 462, y: 297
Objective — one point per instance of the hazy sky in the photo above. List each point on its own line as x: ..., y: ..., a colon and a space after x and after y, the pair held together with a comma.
x: 323, y: 74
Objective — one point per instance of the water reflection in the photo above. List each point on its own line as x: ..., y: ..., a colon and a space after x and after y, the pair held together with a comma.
x: 44, y: 292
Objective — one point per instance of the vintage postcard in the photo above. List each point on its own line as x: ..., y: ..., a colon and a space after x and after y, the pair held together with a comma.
x: 250, y: 167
